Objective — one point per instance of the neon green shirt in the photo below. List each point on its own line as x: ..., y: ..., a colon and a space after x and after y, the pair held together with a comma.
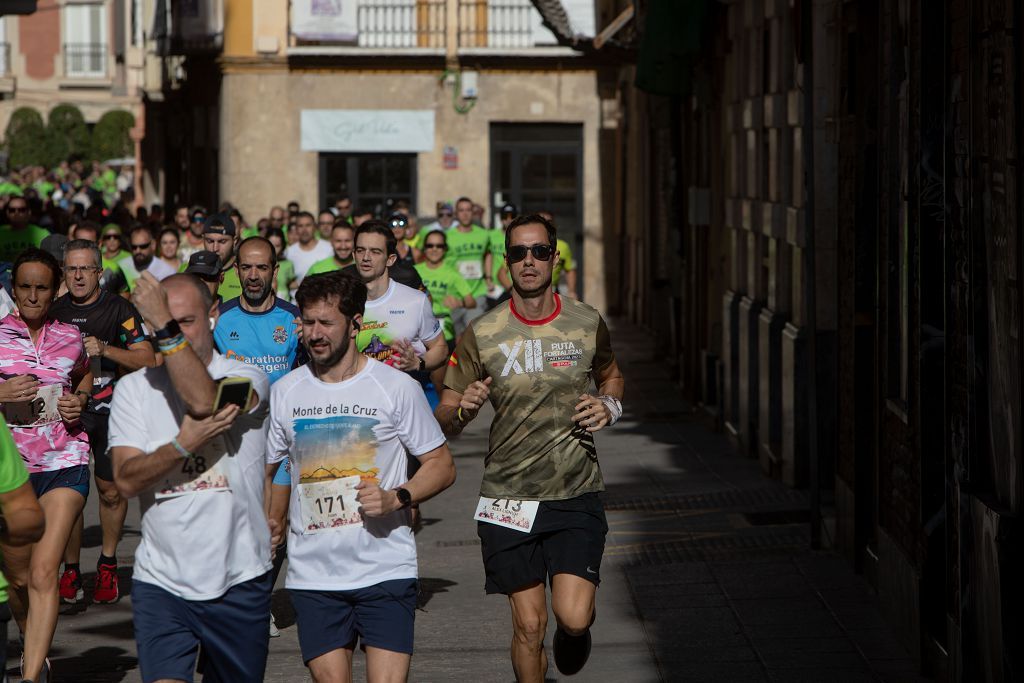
x: 285, y: 274
x: 231, y: 287
x: 9, y: 188
x: 250, y: 232
x: 12, y: 475
x: 497, y: 250
x: 327, y: 265
x: 564, y: 261
x: 466, y: 255
x: 441, y: 282
x: 13, y: 242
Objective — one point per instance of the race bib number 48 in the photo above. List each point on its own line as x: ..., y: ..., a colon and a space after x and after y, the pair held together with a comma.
x: 329, y: 505
x: 506, y: 512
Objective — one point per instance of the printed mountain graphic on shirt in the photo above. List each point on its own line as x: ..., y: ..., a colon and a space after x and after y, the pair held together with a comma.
x: 335, y: 447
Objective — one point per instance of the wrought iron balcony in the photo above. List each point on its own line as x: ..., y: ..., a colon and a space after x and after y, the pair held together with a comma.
x: 85, y: 60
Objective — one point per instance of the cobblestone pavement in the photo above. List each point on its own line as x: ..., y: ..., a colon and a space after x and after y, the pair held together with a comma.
x: 706, y: 574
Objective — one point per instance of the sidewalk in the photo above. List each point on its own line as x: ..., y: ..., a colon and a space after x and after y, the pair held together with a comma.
x: 706, y: 574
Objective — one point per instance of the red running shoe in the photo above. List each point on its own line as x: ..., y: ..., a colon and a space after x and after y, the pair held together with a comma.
x: 71, y: 586
x: 106, y: 584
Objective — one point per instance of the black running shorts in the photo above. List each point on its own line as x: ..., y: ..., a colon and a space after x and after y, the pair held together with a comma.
x: 567, y: 538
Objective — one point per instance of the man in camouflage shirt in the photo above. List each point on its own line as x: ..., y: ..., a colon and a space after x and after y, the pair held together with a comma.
x: 539, y: 517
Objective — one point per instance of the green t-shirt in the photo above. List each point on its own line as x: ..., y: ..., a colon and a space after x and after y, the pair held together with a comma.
x: 285, y: 274
x: 327, y: 265
x: 231, y: 287
x: 111, y: 264
x: 13, y: 242
x: 12, y: 475
x: 441, y: 282
x: 251, y: 231
x: 9, y: 188
x: 466, y: 255
x: 563, y: 263
x: 497, y: 250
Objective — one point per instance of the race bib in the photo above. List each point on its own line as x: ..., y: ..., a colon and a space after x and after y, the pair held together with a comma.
x: 204, y: 472
x: 471, y: 270
x: 42, y: 409
x: 507, y: 512
x: 329, y: 505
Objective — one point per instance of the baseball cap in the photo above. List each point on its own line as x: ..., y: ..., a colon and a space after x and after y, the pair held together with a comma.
x: 445, y: 206
x: 509, y: 209
x: 203, y: 263
x: 219, y: 224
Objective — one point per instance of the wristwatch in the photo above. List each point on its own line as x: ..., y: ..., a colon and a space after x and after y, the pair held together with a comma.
x: 171, y: 330
x: 422, y: 365
x: 404, y: 497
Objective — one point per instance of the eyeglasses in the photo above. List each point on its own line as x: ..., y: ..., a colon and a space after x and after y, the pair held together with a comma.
x: 541, y: 252
x: 435, y: 246
x: 445, y: 214
x: 141, y: 247
x: 75, y: 270
x: 112, y: 236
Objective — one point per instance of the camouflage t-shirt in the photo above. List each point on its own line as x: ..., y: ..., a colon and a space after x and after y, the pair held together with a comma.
x: 538, y: 368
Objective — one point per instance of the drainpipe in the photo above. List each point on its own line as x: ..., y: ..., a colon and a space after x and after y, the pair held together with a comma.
x: 810, y: 269
x: 137, y: 134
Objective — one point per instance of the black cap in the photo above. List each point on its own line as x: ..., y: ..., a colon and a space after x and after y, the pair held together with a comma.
x: 203, y: 263
x: 509, y: 209
x: 54, y: 244
x: 219, y: 224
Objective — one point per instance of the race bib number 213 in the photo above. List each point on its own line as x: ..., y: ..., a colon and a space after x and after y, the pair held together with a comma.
x: 514, y: 514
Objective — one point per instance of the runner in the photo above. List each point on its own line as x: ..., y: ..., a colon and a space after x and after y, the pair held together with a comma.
x: 398, y: 325
x: 448, y: 292
x: 539, y: 518
x: 19, y: 233
x: 496, y: 272
x: 205, y: 265
x: 467, y: 247
x: 143, y: 259
x: 167, y: 251
x: 115, y: 342
x: 192, y: 234
x: 46, y: 385
x: 343, y: 237
x: 346, y: 422
x: 21, y: 519
x: 308, y: 249
x: 202, y: 569
x: 221, y: 237
x: 399, y: 224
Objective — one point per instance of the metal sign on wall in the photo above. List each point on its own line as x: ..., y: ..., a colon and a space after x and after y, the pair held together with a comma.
x: 367, y: 130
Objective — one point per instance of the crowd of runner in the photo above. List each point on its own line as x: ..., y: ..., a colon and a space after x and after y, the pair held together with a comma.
x: 288, y: 389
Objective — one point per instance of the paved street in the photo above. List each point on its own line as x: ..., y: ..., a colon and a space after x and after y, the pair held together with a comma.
x: 706, y: 576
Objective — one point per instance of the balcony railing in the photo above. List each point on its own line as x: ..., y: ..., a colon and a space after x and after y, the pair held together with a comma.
x: 87, y: 60
x: 401, y: 23
x: 496, y: 23
x: 5, y: 59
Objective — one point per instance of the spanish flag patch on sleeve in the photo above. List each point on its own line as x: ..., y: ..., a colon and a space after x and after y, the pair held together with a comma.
x: 453, y: 360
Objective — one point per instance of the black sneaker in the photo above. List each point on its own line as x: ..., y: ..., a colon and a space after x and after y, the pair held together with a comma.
x: 571, y: 652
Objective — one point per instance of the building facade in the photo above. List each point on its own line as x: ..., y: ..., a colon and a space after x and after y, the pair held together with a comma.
x: 820, y: 220
x: 384, y: 100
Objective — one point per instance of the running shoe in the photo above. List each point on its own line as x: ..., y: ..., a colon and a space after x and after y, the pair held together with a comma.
x: 274, y: 632
x: 44, y: 675
x: 571, y: 652
x: 71, y: 586
x: 106, y: 584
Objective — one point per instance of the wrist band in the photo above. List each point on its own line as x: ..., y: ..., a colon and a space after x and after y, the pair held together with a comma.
x: 172, y: 345
x: 181, y: 449
x: 614, y: 406
x: 458, y: 416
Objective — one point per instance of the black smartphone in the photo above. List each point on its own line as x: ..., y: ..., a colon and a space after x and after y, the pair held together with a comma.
x: 237, y: 390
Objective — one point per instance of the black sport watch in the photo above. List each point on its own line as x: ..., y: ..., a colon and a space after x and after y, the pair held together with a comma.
x: 404, y: 497
x: 171, y: 330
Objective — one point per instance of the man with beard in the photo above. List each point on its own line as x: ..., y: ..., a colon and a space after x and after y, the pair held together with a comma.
x: 116, y: 343
x: 190, y: 224
x: 347, y: 421
x: 343, y: 242
x: 258, y: 328
x: 539, y: 518
x: 143, y: 259
x: 220, y: 235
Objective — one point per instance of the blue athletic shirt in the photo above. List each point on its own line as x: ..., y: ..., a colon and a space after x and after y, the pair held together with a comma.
x: 268, y: 340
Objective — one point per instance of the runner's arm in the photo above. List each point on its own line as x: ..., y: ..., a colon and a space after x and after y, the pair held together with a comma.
x: 436, y: 473
x: 137, y: 355
x: 610, y: 381
x: 489, y: 269
x: 23, y: 516
x: 436, y: 354
x: 503, y: 276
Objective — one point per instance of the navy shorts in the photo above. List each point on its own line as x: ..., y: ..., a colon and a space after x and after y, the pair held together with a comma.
x: 76, y: 478
x: 567, y: 538
x: 381, y: 616
x: 233, y: 630
x: 97, y: 427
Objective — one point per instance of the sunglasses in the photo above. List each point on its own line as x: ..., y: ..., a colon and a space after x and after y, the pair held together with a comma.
x: 17, y: 209
x: 435, y: 246
x: 112, y: 236
x: 541, y: 252
x: 140, y: 247
x: 446, y: 214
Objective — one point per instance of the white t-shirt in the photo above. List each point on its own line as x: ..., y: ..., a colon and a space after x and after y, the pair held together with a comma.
x: 332, y: 434
x: 401, y: 313
x: 157, y: 268
x: 203, y: 528
x: 303, y: 260
x: 6, y: 304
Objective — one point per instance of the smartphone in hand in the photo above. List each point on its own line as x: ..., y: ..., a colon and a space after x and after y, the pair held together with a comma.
x: 237, y: 390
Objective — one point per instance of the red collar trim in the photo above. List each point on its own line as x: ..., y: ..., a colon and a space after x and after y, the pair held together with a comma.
x: 534, y: 323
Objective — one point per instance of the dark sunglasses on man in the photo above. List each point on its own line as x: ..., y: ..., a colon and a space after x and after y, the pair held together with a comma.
x: 435, y: 245
x: 541, y: 252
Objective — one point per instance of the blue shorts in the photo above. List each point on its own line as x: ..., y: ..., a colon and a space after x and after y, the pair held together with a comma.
x: 381, y: 616
x: 233, y: 630
x: 76, y: 478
